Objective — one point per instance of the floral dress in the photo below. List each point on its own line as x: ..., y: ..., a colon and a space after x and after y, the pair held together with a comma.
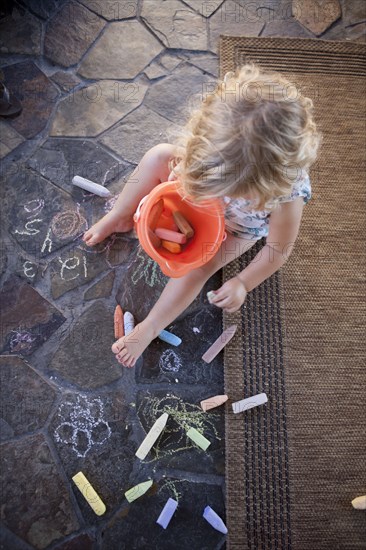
x: 242, y: 220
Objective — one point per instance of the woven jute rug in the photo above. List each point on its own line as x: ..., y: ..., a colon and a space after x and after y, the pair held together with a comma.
x: 295, y: 464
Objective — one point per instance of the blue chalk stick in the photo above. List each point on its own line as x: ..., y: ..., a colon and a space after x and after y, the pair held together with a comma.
x: 167, y: 513
x: 214, y: 520
x: 169, y: 338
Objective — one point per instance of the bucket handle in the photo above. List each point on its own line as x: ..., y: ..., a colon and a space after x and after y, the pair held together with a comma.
x: 137, y: 214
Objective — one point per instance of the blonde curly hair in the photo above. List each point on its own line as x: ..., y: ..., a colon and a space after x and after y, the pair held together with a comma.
x: 250, y: 137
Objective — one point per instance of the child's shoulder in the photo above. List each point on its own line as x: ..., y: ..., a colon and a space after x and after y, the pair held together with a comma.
x: 301, y: 188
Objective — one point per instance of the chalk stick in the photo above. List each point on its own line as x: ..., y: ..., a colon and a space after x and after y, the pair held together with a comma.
x: 249, y: 403
x: 152, y: 436
x: 129, y: 322
x: 90, y: 495
x: 138, y: 490
x: 219, y: 344
x: 169, y: 338
x: 210, y: 295
x: 182, y: 224
x: 175, y: 248
x: 172, y: 236
x: 155, y: 214
x: 213, y: 402
x: 167, y: 513
x: 119, y: 330
x: 359, y: 503
x: 198, y: 438
x: 91, y: 186
x: 214, y: 520
x: 155, y: 241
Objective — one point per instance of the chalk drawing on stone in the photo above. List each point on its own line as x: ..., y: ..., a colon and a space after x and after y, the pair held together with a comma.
x: 146, y: 269
x: 29, y: 269
x: 21, y: 340
x: 108, y: 205
x: 196, y: 330
x: 67, y: 224
x: 28, y: 228
x: 169, y: 361
x: 82, y: 425
x: 34, y: 207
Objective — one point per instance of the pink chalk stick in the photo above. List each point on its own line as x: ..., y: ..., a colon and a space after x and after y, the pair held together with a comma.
x: 213, y: 402
x: 172, y: 236
x: 219, y: 344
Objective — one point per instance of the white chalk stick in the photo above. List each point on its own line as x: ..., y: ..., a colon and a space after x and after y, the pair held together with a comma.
x: 128, y: 322
x: 249, y: 403
x: 91, y: 186
x: 152, y: 436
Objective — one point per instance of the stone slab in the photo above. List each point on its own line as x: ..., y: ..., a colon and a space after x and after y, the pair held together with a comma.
x: 206, y: 63
x: 43, y: 8
x: 26, y: 400
x: 112, y: 10
x: 59, y: 160
x: 9, y: 139
x: 36, y: 93
x: 27, y: 319
x: 35, y: 503
x: 79, y: 25
x: 177, y: 25
x: 357, y: 33
x: 93, y: 109
x: 137, y: 133
x: 80, y: 542
x: 187, y: 528
x: 124, y: 49
x: 353, y: 12
x: 66, y: 81
x: 20, y: 33
x: 154, y: 70
x: 317, y: 15
x: 101, y: 289
x: 84, y: 357
x: 187, y: 82
x: 205, y: 8
x: 170, y: 61
x: 286, y: 27
x: 92, y: 433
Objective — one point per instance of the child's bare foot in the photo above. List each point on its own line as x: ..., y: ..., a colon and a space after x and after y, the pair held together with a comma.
x: 110, y: 223
x: 129, y: 348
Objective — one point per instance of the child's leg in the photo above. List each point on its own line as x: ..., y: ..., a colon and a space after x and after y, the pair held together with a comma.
x: 152, y: 170
x: 175, y: 298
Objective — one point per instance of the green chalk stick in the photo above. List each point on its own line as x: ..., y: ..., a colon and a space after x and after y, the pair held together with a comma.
x: 138, y: 490
x: 198, y: 438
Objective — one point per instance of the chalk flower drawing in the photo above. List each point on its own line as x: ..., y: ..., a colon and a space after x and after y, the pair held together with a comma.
x: 147, y: 269
x: 169, y: 361
x: 83, y: 425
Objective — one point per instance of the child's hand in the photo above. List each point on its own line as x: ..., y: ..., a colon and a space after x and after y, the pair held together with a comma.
x: 230, y: 296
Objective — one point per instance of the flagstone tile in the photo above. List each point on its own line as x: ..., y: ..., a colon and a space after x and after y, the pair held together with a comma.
x: 20, y: 33
x: 9, y: 139
x: 232, y: 19
x: 101, y: 289
x: 177, y: 25
x: 112, y: 9
x: 136, y: 134
x: 206, y: 63
x: 357, y: 33
x: 27, y: 319
x: 35, y: 503
x: 79, y: 25
x: 204, y: 7
x: 79, y: 542
x: 286, y: 27
x: 36, y: 93
x: 154, y: 70
x: 66, y: 81
x: 26, y: 400
x: 170, y: 61
x: 317, y: 15
x: 353, y: 12
x: 93, y: 109
x: 43, y: 8
x: 171, y: 96
x: 124, y: 49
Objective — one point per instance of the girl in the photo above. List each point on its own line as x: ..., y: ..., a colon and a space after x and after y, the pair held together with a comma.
x: 250, y: 142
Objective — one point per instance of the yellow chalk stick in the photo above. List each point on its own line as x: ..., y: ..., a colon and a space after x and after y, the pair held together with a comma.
x: 359, y: 503
x: 138, y: 490
x: 89, y: 493
x: 198, y: 438
x: 152, y: 436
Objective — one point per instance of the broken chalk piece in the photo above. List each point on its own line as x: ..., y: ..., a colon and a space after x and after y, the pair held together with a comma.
x: 167, y: 513
x: 213, y: 402
x: 91, y: 186
x: 198, y: 438
x: 172, y: 236
x: 249, y: 403
x: 210, y: 295
x: 214, y: 519
x: 138, y: 490
x: 155, y: 241
x: 183, y: 225
x: 219, y: 344
x: 152, y: 436
x: 129, y: 322
x: 118, y: 323
x: 155, y: 214
x: 359, y: 503
x: 169, y: 338
x: 89, y: 493
x: 174, y: 248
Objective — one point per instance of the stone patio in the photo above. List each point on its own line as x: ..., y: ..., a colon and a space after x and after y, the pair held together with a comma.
x: 100, y: 83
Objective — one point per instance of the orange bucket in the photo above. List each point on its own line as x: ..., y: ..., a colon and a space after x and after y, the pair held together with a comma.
x: 207, y: 220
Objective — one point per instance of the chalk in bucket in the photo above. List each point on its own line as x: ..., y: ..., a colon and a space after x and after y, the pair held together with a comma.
x: 206, y: 218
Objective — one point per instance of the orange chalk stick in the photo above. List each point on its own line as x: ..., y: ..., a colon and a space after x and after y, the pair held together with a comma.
x: 175, y: 248
x: 172, y: 236
x: 155, y: 241
x: 183, y: 225
x: 155, y: 214
x: 118, y: 323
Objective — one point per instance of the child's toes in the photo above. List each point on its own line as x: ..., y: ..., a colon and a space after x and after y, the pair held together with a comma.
x: 117, y: 347
x: 129, y: 362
